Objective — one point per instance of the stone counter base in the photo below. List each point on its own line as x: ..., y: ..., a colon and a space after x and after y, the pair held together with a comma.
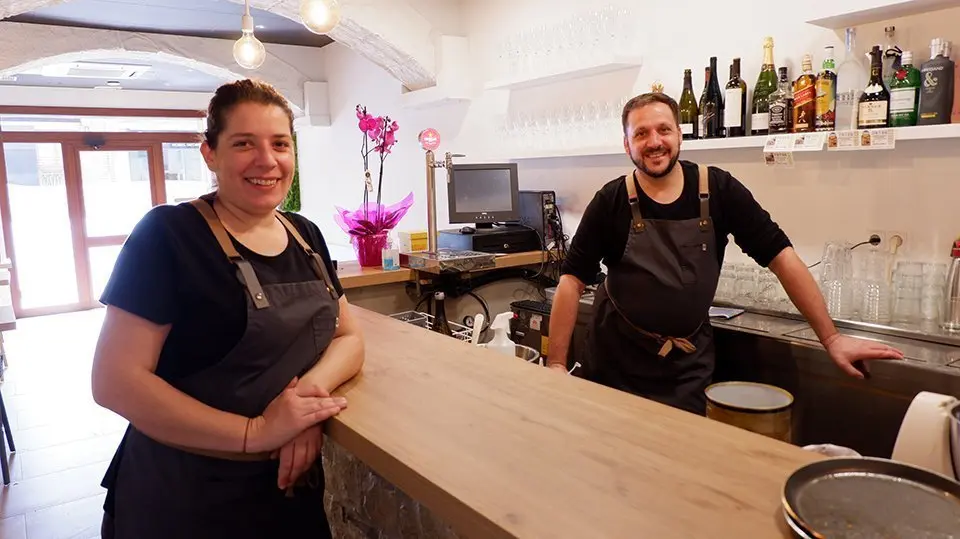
x: 362, y: 505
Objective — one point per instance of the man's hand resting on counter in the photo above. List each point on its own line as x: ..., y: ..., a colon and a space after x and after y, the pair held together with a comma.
x: 849, y: 353
x: 558, y: 367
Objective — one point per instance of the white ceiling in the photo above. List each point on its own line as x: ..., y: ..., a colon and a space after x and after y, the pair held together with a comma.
x: 155, y: 76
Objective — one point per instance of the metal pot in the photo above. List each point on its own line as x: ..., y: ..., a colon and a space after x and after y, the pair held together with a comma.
x: 759, y: 408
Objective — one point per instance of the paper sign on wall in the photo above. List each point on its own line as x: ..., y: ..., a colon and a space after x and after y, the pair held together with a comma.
x: 863, y: 139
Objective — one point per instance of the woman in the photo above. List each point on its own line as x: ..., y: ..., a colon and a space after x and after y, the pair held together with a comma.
x: 225, y: 333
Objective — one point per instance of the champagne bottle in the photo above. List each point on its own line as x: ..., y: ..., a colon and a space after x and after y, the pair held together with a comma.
x: 766, y: 84
x: 735, y: 103
x: 781, y: 105
x: 827, y: 93
x: 703, y: 99
x: 712, y: 108
x: 804, y: 98
x: 440, y: 324
x: 689, y: 112
x: 874, y: 104
x: 905, y: 93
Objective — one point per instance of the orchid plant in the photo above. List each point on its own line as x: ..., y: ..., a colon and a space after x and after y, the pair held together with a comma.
x: 379, y: 136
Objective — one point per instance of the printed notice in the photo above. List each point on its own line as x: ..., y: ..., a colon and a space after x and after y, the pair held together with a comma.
x: 795, y: 142
x: 778, y: 159
x: 864, y: 139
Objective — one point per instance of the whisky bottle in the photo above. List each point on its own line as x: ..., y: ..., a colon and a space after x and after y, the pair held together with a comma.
x: 804, y: 98
x: 766, y: 84
x: 688, y: 109
x: 936, y: 92
x: 735, y: 103
x: 827, y: 93
x: 875, y: 102
x: 712, y: 108
x: 905, y: 93
x: 781, y: 105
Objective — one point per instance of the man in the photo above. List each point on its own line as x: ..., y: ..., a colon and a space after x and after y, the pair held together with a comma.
x: 661, y: 230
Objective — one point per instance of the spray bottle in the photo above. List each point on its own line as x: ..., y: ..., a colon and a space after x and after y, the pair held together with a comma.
x: 501, y: 329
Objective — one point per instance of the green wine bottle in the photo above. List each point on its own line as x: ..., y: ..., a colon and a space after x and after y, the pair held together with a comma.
x: 689, y: 124
x: 905, y: 93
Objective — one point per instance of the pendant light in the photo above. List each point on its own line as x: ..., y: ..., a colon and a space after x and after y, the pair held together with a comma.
x: 248, y: 51
x: 320, y: 16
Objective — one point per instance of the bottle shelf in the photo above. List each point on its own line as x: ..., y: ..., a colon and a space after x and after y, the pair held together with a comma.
x: 922, y: 132
x: 608, y: 65
x: 849, y: 13
x: 435, y: 96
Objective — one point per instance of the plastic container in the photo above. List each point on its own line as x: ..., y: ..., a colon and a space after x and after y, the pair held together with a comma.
x: 501, y: 330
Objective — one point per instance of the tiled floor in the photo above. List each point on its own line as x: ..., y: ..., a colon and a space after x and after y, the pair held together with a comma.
x: 64, y: 440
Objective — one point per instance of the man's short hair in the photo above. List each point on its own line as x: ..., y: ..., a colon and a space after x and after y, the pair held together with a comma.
x: 648, y: 99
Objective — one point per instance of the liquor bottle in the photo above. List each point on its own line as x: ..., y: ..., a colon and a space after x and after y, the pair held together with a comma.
x: 875, y: 100
x: 766, y: 85
x: 827, y: 93
x: 804, y: 99
x: 735, y: 103
x: 905, y: 93
x: 892, y: 56
x: 440, y: 324
x: 703, y: 100
x: 781, y: 105
x: 851, y: 78
x: 712, y: 108
x: 689, y: 111
x: 936, y: 93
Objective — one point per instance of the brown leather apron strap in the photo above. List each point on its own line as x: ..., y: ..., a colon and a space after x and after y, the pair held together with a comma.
x: 316, y: 261
x: 247, y: 276
x: 634, y: 201
x: 704, y: 198
x: 666, y: 343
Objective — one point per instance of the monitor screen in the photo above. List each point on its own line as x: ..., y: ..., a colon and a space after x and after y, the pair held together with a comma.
x: 485, y: 193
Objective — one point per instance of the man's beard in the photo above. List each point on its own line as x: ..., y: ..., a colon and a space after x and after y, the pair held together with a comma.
x: 656, y: 175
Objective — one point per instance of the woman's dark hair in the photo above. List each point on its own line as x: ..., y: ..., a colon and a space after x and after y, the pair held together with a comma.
x: 234, y: 93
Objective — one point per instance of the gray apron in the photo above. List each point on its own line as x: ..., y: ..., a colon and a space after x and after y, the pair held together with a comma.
x: 162, y: 492
x: 650, y: 333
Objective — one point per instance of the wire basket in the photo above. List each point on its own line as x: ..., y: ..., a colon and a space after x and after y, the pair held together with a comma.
x: 425, y: 320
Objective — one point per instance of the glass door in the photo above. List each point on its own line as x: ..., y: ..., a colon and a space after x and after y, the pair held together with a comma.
x: 38, y: 210
x: 117, y: 191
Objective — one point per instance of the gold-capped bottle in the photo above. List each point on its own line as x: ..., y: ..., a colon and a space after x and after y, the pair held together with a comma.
x: 805, y: 99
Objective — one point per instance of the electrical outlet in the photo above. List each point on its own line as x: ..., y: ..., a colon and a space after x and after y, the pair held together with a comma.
x: 891, y: 237
x: 883, y: 238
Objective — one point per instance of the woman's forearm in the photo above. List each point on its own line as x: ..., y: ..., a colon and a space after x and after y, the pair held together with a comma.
x: 340, y: 362
x: 168, y: 415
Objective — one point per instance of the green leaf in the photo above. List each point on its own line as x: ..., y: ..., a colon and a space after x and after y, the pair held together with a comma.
x: 292, y: 201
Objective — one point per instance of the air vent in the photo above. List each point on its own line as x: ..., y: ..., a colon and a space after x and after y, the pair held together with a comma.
x: 95, y: 70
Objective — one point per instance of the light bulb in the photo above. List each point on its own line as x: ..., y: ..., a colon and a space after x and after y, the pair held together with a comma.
x: 320, y: 16
x: 249, y: 52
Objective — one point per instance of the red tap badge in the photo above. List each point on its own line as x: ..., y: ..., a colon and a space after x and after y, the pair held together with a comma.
x: 429, y: 139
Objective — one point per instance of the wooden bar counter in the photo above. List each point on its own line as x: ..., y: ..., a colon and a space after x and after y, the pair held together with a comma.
x: 495, y: 447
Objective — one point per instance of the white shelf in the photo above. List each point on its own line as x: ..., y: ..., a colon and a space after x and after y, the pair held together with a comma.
x: 847, y: 13
x: 435, y: 96
x: 922, y: 132
x: 615, y: 63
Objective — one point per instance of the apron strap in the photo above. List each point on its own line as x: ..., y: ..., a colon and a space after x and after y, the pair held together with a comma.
x: 631, y: 181
x: 704, y: 174
x: 667, y: 344
x: 316, y: 261
x: 247, y: 277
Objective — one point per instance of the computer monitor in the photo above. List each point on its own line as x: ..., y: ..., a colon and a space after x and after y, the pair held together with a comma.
x: 483, y: 194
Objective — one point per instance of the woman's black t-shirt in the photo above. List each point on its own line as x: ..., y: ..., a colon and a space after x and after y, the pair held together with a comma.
x: 171, y: 270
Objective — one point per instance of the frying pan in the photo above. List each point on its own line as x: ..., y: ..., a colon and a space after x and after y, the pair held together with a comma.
x: 861, y: 498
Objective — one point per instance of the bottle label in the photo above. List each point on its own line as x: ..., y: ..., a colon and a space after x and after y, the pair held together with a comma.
x: 778, y: 116
x: 826, y: 103
x: 760, y: 121
x: 903, y: 100
x: 686, y: 129
x: 804, y: 96
x: 873, y: 114
x: 936, y: 91
x: 804, y: 109
x: 731, y: 113
x: 701, y: 125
